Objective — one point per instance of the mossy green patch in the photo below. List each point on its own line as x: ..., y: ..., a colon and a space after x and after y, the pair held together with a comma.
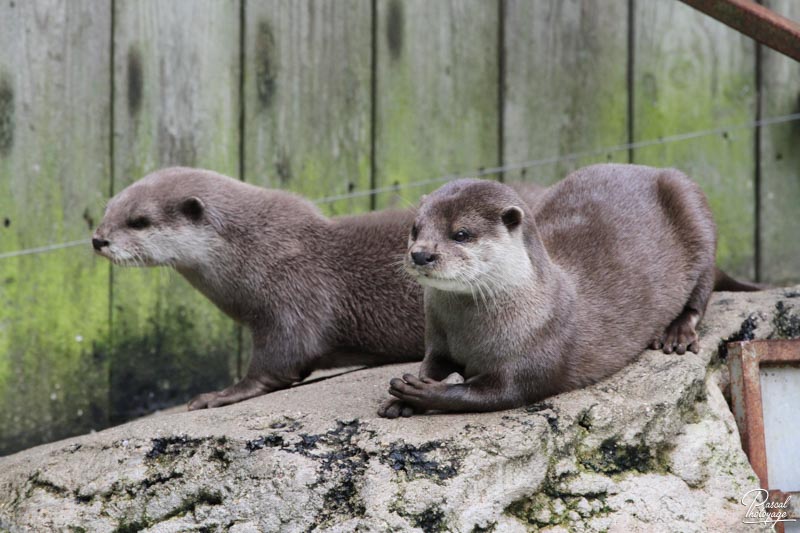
x: 54, y: 172
x: 694, y: 75
x: 615, y: 457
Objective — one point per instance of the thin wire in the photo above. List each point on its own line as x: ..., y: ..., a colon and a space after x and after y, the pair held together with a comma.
x: 489, y: 171
x: 42, y: 249
x: 567, y: 157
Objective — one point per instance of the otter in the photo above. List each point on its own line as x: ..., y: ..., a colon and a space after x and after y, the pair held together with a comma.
x: 314, y: 292
x: 616, y: 259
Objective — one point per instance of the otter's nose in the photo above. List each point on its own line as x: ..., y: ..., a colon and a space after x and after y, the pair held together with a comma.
x: 423, y: 258
x: 99, y: 243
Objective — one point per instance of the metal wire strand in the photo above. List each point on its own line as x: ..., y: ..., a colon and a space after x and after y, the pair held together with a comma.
x: 43, y: 249
x: 489, y: 171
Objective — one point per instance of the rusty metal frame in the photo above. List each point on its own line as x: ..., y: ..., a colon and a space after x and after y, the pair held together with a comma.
x: 755, y: 21
x: 744, y: 362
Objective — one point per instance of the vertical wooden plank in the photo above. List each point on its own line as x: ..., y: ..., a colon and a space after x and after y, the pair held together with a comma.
x: 780, y: 161
x: 565, y: 80
x: 307, y: 98
x: 54, y: 174
x: 176, y: 71
x: 694, y: 73
x: 436, y: 92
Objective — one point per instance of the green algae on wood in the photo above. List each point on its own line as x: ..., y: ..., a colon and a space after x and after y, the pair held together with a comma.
x: 54, y: 173
x: 307, y: 94
x: 436, y: 92
x: 692, y: 73
x: 565, y: 84
x: 176, y: 76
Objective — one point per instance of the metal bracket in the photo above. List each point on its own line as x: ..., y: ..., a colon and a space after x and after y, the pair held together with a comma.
x: 755, y: 21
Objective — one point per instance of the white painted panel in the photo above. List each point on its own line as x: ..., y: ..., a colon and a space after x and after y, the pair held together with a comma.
x: 780, y: 397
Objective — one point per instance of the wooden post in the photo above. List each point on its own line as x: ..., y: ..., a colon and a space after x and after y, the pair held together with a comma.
x: 692, y: 73
x: 780, y: 161
x: 176, y: 77
x: 437, y: 92
x: 307, y: 98
x: 54, y: 177
x: 565, y: 83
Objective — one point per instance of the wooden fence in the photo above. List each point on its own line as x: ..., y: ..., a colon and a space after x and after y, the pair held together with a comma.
x: 328, y: 98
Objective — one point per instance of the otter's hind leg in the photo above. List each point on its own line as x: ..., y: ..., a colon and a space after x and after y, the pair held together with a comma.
x: 686, y: 210
x: 681, y: 335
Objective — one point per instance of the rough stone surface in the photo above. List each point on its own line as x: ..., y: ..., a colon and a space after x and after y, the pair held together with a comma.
x: 653, y: 448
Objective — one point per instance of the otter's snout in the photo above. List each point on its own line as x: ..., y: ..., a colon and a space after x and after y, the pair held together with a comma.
x: 423, y: 258
x: 99, y: 244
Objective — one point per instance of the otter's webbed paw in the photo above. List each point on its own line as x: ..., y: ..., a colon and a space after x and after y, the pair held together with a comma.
x: 393, y: 408
x: 421, y: 393
x: 243, y: 390
x: 679, y: 337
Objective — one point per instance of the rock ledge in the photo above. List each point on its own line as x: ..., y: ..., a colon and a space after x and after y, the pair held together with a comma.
x: 653, y: 448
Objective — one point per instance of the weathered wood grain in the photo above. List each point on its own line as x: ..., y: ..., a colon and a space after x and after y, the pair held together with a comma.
x: 693, y: 73
x: 780, y: 162
x: 54, y: 176
x: 307, y: 97
x: 436, y: 90
x: 176, y: 102
x: 565, y: 84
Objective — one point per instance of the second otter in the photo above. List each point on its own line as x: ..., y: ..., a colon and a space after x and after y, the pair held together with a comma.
x: 620, y: 257
x: 315, y: 292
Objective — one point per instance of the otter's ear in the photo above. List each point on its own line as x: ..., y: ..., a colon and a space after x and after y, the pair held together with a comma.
x: 193, y: 208
x: 512, y: 216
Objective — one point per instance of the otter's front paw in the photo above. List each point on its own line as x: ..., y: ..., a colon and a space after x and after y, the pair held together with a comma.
x: 393, y: 408
x: 421, y: 393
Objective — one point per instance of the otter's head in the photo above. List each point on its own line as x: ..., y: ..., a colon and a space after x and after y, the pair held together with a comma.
x: 161, y: 219
x: 468, y: 237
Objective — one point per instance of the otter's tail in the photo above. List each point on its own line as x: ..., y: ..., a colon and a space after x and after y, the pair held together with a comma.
x: 723, y: 282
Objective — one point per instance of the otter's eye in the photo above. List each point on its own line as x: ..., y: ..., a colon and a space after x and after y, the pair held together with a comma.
x: 414, y: 232
x: 139, y: 223
x: 461, y: 235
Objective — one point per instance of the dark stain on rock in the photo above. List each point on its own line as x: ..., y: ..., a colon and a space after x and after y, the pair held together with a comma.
x: 613, y: 457
x: 539, y: 406
x: 787, y: 323
x: 394, y: 29
x: 219, y: 452
x: 746, y: 333
x: 6, y: 115
x: 135, y: 81
x: 132, y: 527
x: 36, y: 482
x: 429, y: 520
x: 266, y: 64
x: 267, y: 441
x: 585, y: 419
x: 347, y: 462
x: 191, y: 502
x: 160, y: 479
x: 414, y: 460
x: 172, y: 446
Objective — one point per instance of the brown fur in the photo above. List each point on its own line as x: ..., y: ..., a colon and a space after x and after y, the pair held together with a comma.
x: 617, y: 257
x: 315, y: 292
